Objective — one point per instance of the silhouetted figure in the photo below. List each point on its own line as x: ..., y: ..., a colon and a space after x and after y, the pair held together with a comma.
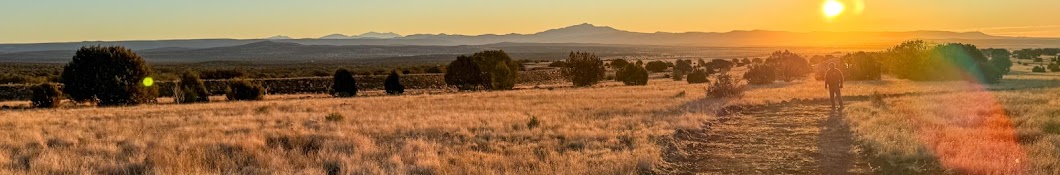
x: 834, y: 83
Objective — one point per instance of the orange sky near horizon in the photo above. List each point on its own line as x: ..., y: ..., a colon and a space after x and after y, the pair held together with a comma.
x: 108, y: 20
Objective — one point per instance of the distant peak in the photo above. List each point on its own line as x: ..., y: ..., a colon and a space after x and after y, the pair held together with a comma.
x: 379, y: 35
x: 335, y: 36
x: 270, y: 43
x: 584, y: 28
x: 278, y: 37
x: 584, y: 25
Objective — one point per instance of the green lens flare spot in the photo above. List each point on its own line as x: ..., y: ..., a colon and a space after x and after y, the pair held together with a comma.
x: 149, y: 81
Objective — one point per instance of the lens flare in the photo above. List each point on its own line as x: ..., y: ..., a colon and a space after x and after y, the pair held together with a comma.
x: 832, y: 8
x: 148, y: 82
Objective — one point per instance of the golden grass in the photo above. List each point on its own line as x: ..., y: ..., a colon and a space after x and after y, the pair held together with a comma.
x: 608, y: 129
x: 970, y: 132
x: 581, y: 131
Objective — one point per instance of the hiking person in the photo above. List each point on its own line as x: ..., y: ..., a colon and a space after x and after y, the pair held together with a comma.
x: 834, y: 82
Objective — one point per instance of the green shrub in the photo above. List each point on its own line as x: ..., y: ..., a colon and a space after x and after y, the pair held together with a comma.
x: 343, y: 84
x: 464, y: 74
x: 657, y: 66
x: 46, y: 95
x: 619, y: 63
x: 492, y: 69
x: 1001, y: 58
x: 788, y: 66
x: 239, y: 90
x: 862, y: 66
x: 1053, y: 67
x: 682, y: 68
x: 632, y: 75
x: 678, y: 75
x: 393, y: 85
x: 697, y: 76
x: 923, y: 61
x: 108, y: 75
x: 584, y: 69
x: 725, y: 86
x: 758, y: 74
x: 1038, y: 69
x: 190, y: 89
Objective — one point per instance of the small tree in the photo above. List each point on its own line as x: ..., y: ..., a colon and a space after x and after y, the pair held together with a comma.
x: 725, y: 86
x: 632, y: 75
x: 789, y: 66
x: 343, y: 85
x: 46, y: 95
x: 760, y: 74
x: 1054, y: 67
x: 464, y: 73
x: 697, y: 76
x: 239, y: 90
x: 393, y: 85
x: 190, y: 89
x: 657, y: 66
x: 619, y: 63
x: 681, y: 68
x: 678, y: 75
x: 492, y: 69
x: 502, y: 77
x: 1038, y: 69
x: 109, y: 75
x: 1001, y: 58
x: 584, y: 69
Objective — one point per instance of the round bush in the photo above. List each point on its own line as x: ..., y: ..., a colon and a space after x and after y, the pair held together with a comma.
x: 619, y: 63
x: 697, y: 76
x: 632, y: 75
x: 190, y: 89
x: 492, y: 69
x: 343, y: 84
x: 109, y: 75
x: 760, y: 74
x: 239, y: 90
x: 464, y: 74
x: 788, y: 66
x: 393, y: 85
x: 46, y: 95
x: 657, y: 66
x: 1038, y: 69
x: 584, y: 69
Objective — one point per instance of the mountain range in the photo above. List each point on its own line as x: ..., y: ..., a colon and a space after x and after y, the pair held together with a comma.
x: 374, y: 44
x: 376, y: 35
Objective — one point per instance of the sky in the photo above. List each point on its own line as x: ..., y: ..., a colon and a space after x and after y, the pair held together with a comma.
x: 35, y: 21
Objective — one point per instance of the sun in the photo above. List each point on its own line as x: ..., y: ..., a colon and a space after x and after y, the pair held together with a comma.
x: 832, y: 8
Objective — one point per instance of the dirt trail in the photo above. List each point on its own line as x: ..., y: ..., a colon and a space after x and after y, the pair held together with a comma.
x: 787, y: 139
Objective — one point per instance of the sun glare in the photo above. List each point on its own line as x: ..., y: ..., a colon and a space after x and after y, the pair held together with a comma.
x: 148, y: 82
x: 832, y: 8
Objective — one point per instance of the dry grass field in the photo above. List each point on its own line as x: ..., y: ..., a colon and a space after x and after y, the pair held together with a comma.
x: 910, y: 127
x: 578, y: 131
x: 1009, y: 131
